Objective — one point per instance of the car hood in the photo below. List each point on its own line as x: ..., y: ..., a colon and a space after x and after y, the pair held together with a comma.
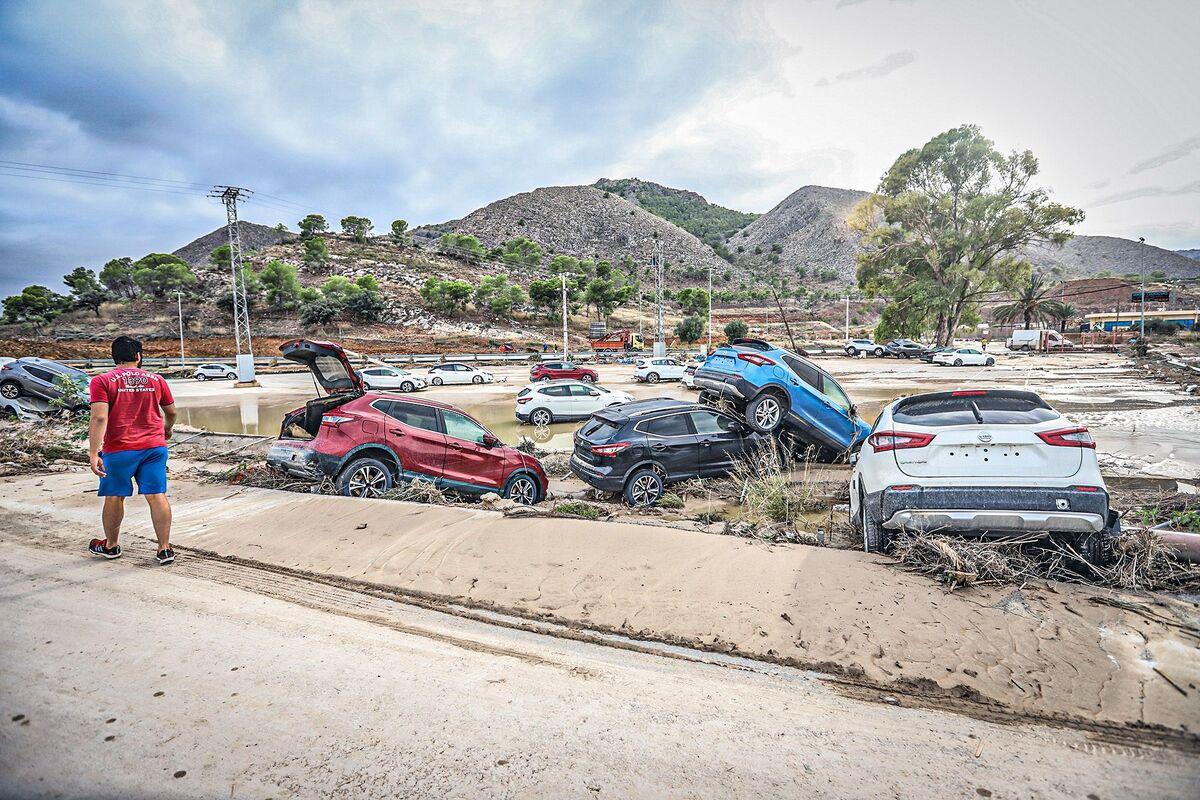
x: 327, y: 362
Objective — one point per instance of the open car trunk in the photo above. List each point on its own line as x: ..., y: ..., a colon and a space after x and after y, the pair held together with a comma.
x: 332, y: 370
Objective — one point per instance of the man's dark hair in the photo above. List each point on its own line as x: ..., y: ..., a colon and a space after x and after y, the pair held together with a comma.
x: 125, y: 349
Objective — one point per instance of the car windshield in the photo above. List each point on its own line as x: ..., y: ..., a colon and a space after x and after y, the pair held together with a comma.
x: 982, y: 409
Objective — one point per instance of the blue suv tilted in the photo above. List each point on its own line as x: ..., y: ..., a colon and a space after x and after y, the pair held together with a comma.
x: 780, y: 392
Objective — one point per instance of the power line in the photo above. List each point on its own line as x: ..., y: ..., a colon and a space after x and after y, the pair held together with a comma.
x: 135, y: 187
x: 87, y: 172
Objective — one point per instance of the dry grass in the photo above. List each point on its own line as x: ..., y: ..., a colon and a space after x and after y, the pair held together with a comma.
x: 33, y: 446
x: 417, y: 491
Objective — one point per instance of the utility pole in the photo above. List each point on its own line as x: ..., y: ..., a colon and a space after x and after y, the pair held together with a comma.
x: 230, y: 195
x: 847, y: 316
x: 179, y: 306
x: 563, y: 274
x: 1142, y: 258
x: 710, y: 318
x: 660, y: 341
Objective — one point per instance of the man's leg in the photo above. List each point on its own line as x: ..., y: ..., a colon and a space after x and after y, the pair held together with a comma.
x: 114, y: 512
x: 160, y: 515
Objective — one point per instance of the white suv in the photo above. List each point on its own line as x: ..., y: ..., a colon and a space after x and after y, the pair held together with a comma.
x: 987, y: 462
x: 653, y: 370
x: 545, y: 402
x: 214, y: 372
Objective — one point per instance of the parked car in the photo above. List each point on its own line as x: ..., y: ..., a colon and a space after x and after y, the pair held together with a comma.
x: 963, y: 356
x: 642, y: 447
x: 545, y: 402
x: 930, y: 352
x: 453, y: 373
x: 39, y: 377
x: 391, y: 378
x: 552, y: 370
x: 367, y: 443
x: 215, y: 372
x: 653, y: 370
x: 856, y: 346
x: 1038, y: 339
x: 779, y: 391
x: 903, y: 348
x: 689, y: 376
x: 996, y: 462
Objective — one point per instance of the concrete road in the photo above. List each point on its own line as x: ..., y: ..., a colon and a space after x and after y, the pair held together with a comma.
x: 121, y: 679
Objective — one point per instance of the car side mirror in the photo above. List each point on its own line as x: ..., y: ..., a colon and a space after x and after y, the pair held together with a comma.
x: 490, y: 441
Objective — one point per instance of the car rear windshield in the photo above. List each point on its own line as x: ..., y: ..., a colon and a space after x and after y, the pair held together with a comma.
x: 598, y: 430
x: 984, y: 409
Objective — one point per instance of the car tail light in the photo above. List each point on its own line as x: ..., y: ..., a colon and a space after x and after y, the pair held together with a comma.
x: 609, y: 450
x: 523, y: 400
x: 898, y: 440
x: 335, y: 420
x: 756, y: 359
x: 969, y: 393
x: 1069, y: 437
x: 1086, y: 488
x: 902, y: 487
x: 6, y: 367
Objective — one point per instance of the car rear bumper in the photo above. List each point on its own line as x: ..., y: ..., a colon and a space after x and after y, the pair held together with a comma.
x: 597, y: 477
x: 730, y: 387
x: 301, y: 461
x: 994, y: 509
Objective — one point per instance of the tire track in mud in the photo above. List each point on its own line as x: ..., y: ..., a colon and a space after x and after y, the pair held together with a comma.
x: 374, y: 604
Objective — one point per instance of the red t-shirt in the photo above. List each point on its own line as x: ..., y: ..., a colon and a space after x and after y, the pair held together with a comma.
x: 134, y: 397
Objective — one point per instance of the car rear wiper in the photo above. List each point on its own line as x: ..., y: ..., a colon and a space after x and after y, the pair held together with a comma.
x: 978, y: 414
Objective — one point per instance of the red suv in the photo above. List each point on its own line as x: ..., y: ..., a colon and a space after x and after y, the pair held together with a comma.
x: 553, y: 370
x: 366, y: 442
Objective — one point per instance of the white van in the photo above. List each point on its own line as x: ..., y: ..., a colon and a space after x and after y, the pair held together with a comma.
x: 1038, y: 339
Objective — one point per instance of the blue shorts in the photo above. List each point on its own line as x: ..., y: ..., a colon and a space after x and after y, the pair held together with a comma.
x: 148, y: 467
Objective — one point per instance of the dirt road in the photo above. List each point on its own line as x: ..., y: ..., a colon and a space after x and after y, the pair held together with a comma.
x: 210, y: 679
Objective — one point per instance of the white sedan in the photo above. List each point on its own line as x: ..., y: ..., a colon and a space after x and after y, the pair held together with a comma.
x: 985, y: 462
x: 451, y: 373
x: 653, y: 370
x: 545, y: 402
x: 215, y: 372
x: 963, y: 356
x: 391, y: 378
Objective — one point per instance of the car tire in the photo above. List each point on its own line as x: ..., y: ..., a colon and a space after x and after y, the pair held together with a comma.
x: 958, y: 362
x: 436, y: 381
x: 991, y: 362
x: 232, y: 376
x: 765, y: 412
x: 10, y: 390
x: 407, y: 386
x: 587, y: 379
x: 1097, y: 548
x: 541, y: 416
x: 852, y: 352
x: 364, y: 477
x: 652, y: 377
x: 477, y: 379
x: 876, y: 538
x: 522, y: 489
x: 201, y: 377
x: 879, y: 352
x: 644, y: 488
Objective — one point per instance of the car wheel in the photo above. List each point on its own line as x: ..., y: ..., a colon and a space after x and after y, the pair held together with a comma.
x: 201, y: 377
x: 365, y: 477
x: 958, y: 362
x: 991, y: 362
x: 232, y: 376
x: 652, y: 377
x: 541, y: 416
x: 477, y: 379
x: 765, y: 412
x: 644, y: 488
x: 407, y: 386
x: 522, y: 489
x: 588, y: 379
x: 852, y: 351
x: 436, y: 381
x: 876, y: 538
x: 1097, y: 548
x: 879, y: 352
x: 10, y: 390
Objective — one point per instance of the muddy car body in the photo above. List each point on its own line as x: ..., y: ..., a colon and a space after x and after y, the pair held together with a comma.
x: 367, y: 442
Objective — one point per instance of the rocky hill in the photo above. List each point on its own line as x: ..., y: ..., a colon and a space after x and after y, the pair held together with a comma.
x: 253, y: 236
x: 1193, y: 254
x: 1086, y: 256
x: 582, y: 221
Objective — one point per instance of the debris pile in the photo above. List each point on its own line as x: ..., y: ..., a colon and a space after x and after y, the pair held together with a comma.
x: 43, y: 445
x: 417, y: 491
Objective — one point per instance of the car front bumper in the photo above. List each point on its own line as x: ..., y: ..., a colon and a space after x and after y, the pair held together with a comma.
x: 993, y: 509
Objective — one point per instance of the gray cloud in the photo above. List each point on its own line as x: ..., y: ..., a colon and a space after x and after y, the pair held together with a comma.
x: 887, y: 66
x: 1147, y: 191
x: 1184, y: 148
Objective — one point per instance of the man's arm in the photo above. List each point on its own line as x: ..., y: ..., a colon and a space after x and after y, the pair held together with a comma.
x: 99, y: 424
x: 169, y: 415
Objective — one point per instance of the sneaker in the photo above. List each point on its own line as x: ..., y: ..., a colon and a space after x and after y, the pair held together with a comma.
x: 100, y: 547
x: 166, y: 556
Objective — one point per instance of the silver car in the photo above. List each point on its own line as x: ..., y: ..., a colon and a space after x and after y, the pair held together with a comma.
x: 39, y: 377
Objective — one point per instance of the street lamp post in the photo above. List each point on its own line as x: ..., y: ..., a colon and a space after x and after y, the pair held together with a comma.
x: 563, y: 275
x: 710, y: 317
x: 1142, y: 258
x: 179, y: 307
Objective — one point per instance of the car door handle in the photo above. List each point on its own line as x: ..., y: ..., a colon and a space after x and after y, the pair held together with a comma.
x: 454, y: 445
x: 658, y: 446
x: 397, y: 431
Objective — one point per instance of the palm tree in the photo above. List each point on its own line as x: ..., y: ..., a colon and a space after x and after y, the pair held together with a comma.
x: 1029, y: 302
x: 1063, y: 312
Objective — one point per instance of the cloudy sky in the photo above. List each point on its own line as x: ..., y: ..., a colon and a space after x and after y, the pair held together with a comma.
x: 427, y: 110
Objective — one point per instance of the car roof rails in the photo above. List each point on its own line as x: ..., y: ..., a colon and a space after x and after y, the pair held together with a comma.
x: 754, y: 344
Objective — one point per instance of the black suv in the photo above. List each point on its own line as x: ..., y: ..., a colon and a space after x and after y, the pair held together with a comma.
x: 639, y: 448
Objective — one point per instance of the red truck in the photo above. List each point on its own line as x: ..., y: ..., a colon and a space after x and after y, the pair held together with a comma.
x: 623, y: 339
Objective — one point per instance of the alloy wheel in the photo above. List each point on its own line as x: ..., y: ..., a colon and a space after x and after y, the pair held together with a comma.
x: 367, y: 481
x: 477, y: 379
x: 522, y: 491
x: 652, y: 377
x: 406, y: 387
x: 645, y: 490
x: 766, y: 416
x: 437, y: 381
x: 10, y: 391
x: 541, y: 417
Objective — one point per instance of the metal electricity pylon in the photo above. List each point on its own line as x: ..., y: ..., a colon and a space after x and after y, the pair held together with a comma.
x: 230, y: 195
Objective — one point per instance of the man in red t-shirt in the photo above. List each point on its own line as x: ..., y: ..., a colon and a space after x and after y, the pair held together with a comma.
x: 132, y: 416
